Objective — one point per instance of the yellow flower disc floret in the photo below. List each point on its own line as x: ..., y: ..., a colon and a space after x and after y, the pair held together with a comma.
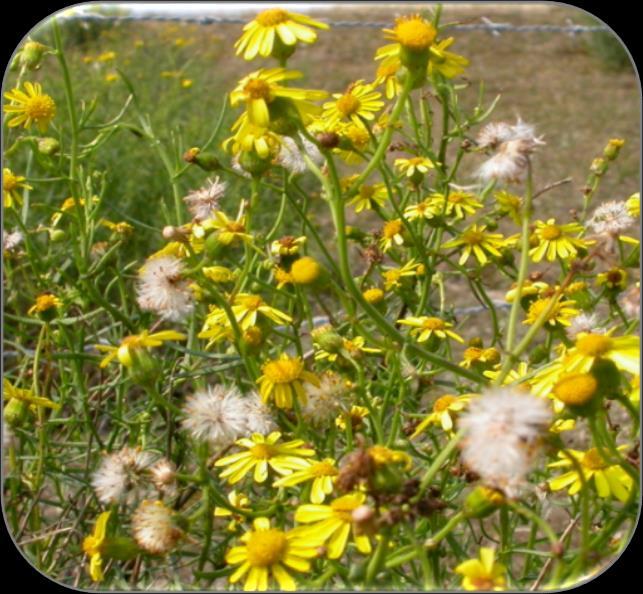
x: 413, y: 33
x: 576, y: 389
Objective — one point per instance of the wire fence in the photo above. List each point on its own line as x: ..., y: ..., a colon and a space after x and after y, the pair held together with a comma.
x: 485, y: 24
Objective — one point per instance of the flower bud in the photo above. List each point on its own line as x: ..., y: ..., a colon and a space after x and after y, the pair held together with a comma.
x: 613, y: 148
x: 576, y: 390
x: 30, y: 56
x: 15, y: 412
x: 255, y: 165
x: 48, y: 146
x: 328, y: 140
x: 327, y: 339
x: 598, y: 166
x: 206, y: 161
x: 57, y: 235
x: 482, y: 501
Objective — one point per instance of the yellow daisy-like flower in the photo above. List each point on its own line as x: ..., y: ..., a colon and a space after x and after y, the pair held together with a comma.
x: 424, y: 327
x: 219, y: 274
x: 227, y: 231
x: 373, y: 295
x: 529, y: 288
x: 609, y: 480
x: 269, y: 553
x: 392, y: 276
x: 246, y: 308
x: 260, y: 88
x: 93, y: 546
x: 30, y: 106
x: 121, y: 228
x: 360, y: 101
x: 250, y: 138
x: 321, y: 473
x: 10, y: 392
x: 44, y: 303
x: 263, y: 452
x: 633, y: 205
x: 561, y: 313
x: 445, y: 410
x: 476, y: 240
x: 68, y: 205
x: 305, y: 271
x: 383, y: 456
x: 422, y: 210
x: 474, y: 355
x: 368, y: 196
x: 272, y: 27
x: 386, y: 75
x: 414, y: 165
x: 238, y: 501
x: 623, y: 351
x: 126, y: 351
x: 509, y: 204
x: 284, y: 377
x: 354, y: 347
x: 392, y: 234
x: 458, y: 204
x: 333, y: 523
x: 515, y: 376
x: 557, y: 241
x: 11, y: 183
x: 412, y: 33
x: 614, y: 278
x: 287, y: 246
x: 483, y: 573
x: 444, y: 62
x: 355, y: 416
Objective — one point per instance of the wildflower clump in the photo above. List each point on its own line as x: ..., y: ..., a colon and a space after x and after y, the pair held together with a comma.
x: 340, y: 335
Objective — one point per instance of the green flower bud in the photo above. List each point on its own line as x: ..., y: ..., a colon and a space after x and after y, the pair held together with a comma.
x: 255, y: 165
x: 15, y: 412
x: 48, y: 146
x: 482, y: 501
x: 57, y: 235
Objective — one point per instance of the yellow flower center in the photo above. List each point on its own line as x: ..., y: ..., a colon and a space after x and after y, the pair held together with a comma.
x: 366, y: 192
x: 323, y: 469
x: 253, y: 302
x: 594, y: 345
x: 40, y: 107
x: 482, y: 583
x: 348, y: 104
x: 266, y: 548
x: 433, y: 324
x: 272, y: 17
x: 472, y: 354
x: 283, y: 371
x: 373, y: 295
x: 262, y: 451
x: 550, y: 232
x: 235, y: 227
x: 257, y: 89
x: 414, y: 33
x: 443, y: 403
x: 45, y: 302
x: 92, y: 545
x: 305, y: 270
x: 387, y: 70
x: 457, y: 198
x: 473, y: 237
x: 576, y: 389
x: 593, y: 460
x: 391, y: 229
x: 9, y: 181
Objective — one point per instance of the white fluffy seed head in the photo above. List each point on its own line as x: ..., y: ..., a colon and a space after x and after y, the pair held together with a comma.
x: 163, y: 475
x: 217, y: 415
x: 120, y: 472
x: 163, y: 290
x: 610, y: 218
x: 153, y: 528
x: 324, y: 401
x: 503, y: 430
x: 630, y: 301
x: 10, y: 241
x: 290, y: 155
x: 202, y: 202
x: 584, y: 323
x: 258, y: 416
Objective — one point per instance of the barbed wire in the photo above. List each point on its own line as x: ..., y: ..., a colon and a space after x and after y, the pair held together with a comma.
x: 486, y: 24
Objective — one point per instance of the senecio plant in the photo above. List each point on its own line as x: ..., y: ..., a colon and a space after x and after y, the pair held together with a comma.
x: 263, y: 410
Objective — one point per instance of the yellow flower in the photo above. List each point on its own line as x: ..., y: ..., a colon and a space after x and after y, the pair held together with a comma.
x: 260, y: 88
x: 412, y: 33
x: 529, y: 288
x: 354, y: 415
x: 248, y: 137
x: 513, y: 377
x: 287, y: 246
x: 477, y: 241
x: 392, y: 234
x: 392, y: 276
x: 359, y: 101
x: 238, y: 501
x: 106, y: 57
x: 126, y: 351
x: 623, y: 351
x: 373, y: 295
x: 267, y: 552
x: 445, y: 410
x: 446, y: 63
x: 422, y: 210
x: 44, y: 303
x: 333, y: 523
x: 368, y: 196
x: 557, y: 241
x: 10, y: 392
x: 614, y: 278
x: 186, y: 83
x: 111, y: 77
x: 122, y: 228
x: 93, y: 545
x: 263, y: 452
x: 322, y: 474
x: 386, y: 75
x: 475, y: 355
x: 305, y: 271
x: 31, y: 106
x: 609, y: 480
x: 70, y: 204
x: 10, y: 185
x: 351, y: 347
x: 425, y: 327
x: 383, y: 456
x: 227, y: 231
x: 246, y: 307
x: 284, y: 377
x: 483, y: 573
x: 509, y: 204
x: 575, y: 389
x: 273, y: 26
x: 219, y: 274
x: 414, y: 164
x: 561, y: 313
x: 633, y: 205
x: 457, y: 203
